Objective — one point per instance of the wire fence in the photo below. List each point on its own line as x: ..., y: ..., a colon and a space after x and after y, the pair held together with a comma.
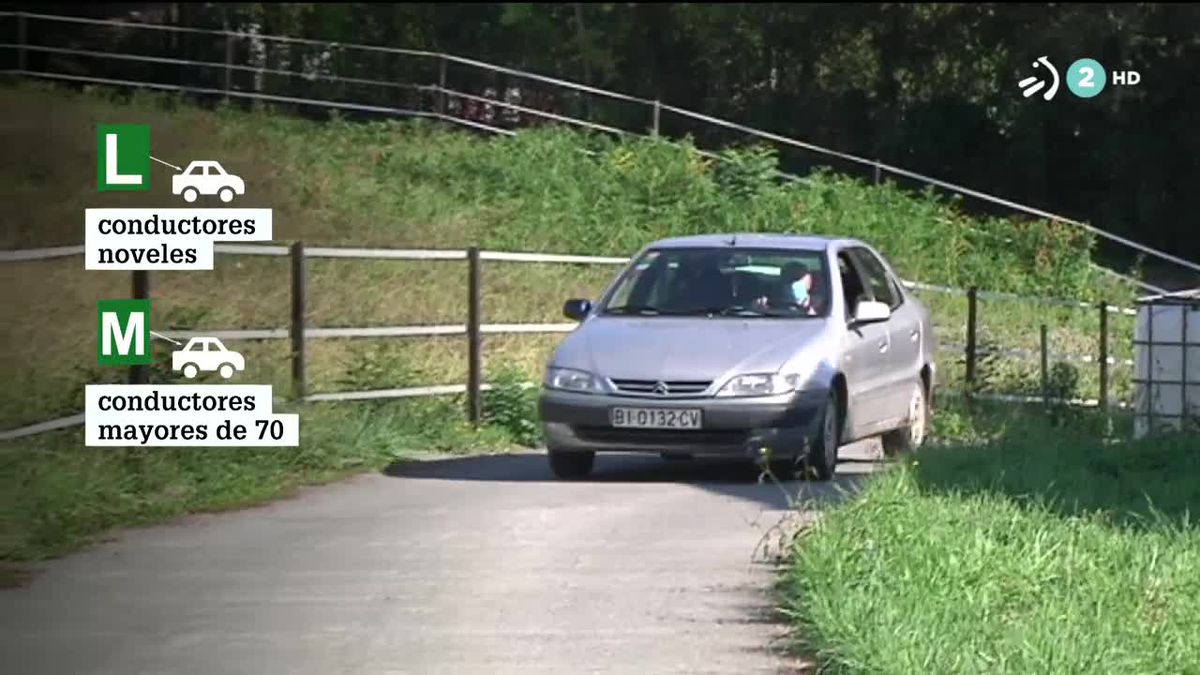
x: 375, y: 80
x: 968, y: 354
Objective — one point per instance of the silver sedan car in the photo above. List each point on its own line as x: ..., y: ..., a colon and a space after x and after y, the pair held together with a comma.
x: 775, y: 348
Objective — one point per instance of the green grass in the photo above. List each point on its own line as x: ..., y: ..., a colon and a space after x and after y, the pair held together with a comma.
x: 414, y: 184
x: 1035, y: 549
x: 56, y: 495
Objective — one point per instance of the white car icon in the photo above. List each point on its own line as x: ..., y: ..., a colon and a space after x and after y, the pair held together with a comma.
x: 206, y: 354
x: 206, y: 178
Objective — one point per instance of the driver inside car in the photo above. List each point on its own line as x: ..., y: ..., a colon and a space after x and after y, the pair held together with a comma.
x: 792, y: 292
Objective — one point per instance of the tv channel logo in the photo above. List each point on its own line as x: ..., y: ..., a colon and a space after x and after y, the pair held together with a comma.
x: 1086, y: 78
x: 122, y: 157
x: 123, y: 333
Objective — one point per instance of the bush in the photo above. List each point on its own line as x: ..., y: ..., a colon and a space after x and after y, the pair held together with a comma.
x: 511, y: 405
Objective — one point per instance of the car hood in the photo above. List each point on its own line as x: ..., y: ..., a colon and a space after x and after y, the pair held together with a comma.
x: 686, y: 348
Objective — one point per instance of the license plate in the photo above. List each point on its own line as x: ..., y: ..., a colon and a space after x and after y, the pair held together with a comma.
x: 656, y: 418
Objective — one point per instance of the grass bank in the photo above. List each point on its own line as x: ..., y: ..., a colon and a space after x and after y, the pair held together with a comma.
x: 1035, y: 549
x: 414, y: 184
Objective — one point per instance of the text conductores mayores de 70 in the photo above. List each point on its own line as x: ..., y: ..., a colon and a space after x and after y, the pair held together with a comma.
x: 156, y: 402
x: 212, y: 228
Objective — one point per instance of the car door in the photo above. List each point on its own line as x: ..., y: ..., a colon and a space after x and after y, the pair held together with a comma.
x: 902, y: 362
x: 865, y: 355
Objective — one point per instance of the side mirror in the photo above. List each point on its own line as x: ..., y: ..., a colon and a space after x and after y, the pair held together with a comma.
x: 870, y: 311
x: 577, y: 308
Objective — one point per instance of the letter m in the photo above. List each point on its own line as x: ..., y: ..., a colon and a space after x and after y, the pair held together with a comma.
x: 123, y: 337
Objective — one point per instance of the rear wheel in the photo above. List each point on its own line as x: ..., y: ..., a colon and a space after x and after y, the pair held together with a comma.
x: 190, y: 371
x: 190, y: 195
x: 912, y: 434
x: 822, y: 454
x: 571, y: 465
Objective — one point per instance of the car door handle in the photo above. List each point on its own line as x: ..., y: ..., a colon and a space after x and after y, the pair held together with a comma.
x: 883, y: 345
x: 914, y: 334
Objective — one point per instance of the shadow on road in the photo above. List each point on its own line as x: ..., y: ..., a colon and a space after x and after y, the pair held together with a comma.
x: 733, y: 478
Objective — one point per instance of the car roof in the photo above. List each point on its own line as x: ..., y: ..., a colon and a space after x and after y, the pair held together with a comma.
x: 204, y: 162
x: 748, y: 240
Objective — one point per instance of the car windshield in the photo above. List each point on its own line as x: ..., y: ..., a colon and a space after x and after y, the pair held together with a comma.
x: 723, y: 282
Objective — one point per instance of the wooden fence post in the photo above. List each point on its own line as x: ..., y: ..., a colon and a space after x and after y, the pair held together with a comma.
x: 297, y: 332
x: 140, y: 374
x: 474, y: 361
x: 878, y: 173
x: 971, y: 347
x: 656, y: 117
x: 1045, y: 367
x: 1103, y: 398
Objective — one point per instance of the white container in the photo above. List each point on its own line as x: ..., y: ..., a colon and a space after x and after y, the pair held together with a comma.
x: 1166, y: 363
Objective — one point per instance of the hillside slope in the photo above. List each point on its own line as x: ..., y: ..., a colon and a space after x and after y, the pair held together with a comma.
x: 416, y: 184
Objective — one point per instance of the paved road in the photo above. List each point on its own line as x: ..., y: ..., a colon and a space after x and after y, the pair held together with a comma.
x: 463, y: 565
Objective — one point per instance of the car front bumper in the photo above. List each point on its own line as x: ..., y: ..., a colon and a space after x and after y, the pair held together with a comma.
x: 730, y: 427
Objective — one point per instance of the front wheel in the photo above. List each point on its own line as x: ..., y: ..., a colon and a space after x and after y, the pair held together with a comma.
x: 912, y: 434
x: 226, y: 195
x: 822, y: 454
x: 571, y: 465
x: 226, y: 370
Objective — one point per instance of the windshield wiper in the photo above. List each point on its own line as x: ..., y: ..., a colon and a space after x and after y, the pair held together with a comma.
x: 648, y: 310
x: 731, y: 310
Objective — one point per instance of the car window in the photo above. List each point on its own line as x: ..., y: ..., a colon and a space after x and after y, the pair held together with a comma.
x: 879, y: 282
x: 194, y: 170
x: 853, y: 289
x: 711, y: 280
x: 216, y: 170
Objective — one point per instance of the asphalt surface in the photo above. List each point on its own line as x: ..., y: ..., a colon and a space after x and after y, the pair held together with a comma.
x: 462, y: 565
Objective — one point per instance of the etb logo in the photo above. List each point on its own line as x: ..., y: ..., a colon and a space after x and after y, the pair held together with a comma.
x: 1085, y: 78
x: 123, y: 333
x: 123, y: 157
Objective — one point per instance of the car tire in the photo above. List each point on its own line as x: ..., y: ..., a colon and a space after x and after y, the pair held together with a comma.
x: 226, y: 370
x: 226, y: 194
x: 821, y: 462
x: 910, y: 436
x: 190, y: 371
x: 571, y: 465
x: 190, y: 195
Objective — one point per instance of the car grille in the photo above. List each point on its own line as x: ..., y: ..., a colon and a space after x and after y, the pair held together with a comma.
x: 673, y: 388
x: 672, y: 437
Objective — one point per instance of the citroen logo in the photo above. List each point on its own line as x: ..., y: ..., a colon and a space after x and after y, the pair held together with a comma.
x: 661, y: 388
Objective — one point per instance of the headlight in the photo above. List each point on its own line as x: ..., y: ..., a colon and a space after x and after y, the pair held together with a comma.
x: 762, y: 384
x: 572, y: 380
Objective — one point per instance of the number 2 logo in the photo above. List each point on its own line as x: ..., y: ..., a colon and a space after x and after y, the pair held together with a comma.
x: 1086, y: 78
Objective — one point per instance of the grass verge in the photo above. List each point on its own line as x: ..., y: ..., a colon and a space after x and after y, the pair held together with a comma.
x: 1040, y: 550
